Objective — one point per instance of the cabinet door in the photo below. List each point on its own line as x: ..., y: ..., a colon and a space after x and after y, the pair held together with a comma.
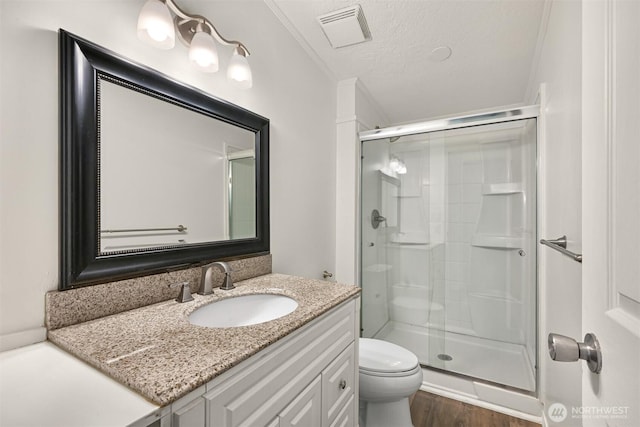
x: 191, y: 415
x: 160, y: 418
x: 306, y: 409
x: 338, y: 383
x: 346, y: 417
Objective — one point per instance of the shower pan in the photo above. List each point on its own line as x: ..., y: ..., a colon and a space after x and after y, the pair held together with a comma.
x: 450, y: 271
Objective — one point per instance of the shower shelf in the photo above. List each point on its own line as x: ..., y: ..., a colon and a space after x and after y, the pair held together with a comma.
x: 410, y: 246
x: 502, y: 188
x: 377, y: 268
x: 499, y: 242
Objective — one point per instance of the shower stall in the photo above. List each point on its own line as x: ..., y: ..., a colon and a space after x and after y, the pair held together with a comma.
x: 448, y: 243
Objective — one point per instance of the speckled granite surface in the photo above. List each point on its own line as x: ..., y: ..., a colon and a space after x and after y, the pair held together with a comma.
x: 64, y: 308
x: 156, y: 351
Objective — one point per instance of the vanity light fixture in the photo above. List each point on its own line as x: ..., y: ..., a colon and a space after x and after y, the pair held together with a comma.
x: 397, y: 166
x: 158, y: 27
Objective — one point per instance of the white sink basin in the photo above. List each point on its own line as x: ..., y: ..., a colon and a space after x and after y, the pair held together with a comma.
x: 243, y: 311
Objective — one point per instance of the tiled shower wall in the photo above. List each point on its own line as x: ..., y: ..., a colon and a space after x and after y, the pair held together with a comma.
x: 463, y: 199
x: 441, y: 198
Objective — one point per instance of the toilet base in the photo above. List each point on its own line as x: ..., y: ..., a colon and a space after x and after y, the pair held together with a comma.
x: 385, y: 414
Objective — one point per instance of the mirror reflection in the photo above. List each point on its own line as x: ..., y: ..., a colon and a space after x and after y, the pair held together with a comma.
x: 170, y: 177
x: 242, y: 194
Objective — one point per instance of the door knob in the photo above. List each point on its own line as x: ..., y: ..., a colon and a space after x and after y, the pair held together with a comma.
x: 565, y: 349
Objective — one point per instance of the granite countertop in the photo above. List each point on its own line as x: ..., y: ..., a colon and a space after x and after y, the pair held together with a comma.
x: 155, y: 351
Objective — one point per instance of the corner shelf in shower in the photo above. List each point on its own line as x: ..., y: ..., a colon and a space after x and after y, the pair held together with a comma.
x: 410, y: 246
x: 497, y: 242
x: 377, y: 268
x: 502, y: 188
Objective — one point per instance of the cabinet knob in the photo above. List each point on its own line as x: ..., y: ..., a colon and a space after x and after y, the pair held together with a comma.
x: 342, y: 385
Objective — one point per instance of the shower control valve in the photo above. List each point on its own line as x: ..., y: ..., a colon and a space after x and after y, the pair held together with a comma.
x: 376, y: 219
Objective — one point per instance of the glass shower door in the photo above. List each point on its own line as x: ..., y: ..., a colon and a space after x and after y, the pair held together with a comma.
x: 490, y: 276
x: 448, y: 248
x: 397, y: 254
x: 242, y: 210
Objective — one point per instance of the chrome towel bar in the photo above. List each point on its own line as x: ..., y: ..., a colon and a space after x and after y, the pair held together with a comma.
x: 180, y: 228
x: 560, y: 245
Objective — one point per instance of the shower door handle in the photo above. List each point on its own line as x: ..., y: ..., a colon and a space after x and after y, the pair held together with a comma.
x: 565, y: 349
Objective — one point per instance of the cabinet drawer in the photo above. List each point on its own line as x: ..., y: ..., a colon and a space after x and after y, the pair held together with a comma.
x: 346, y: 417
x: 338, y: 380
x: 255, y: 391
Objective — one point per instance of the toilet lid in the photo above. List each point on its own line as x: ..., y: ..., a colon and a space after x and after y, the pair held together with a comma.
x: 385, y: 357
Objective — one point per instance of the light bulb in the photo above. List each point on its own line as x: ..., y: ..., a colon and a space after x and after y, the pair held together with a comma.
x: 394, y: 163
x: 402, y: 169
x: 203, y: 52
x: 155, y: 25
x: 157, y: 34
x: 239, y: 71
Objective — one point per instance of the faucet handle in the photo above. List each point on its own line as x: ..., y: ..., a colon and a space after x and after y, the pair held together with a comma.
x: 185, y: 292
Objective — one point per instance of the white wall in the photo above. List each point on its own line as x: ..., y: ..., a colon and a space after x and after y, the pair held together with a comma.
x: 355, y: 113
x: 560, y: 197
x: 162, y: 169
x: 289, y: 89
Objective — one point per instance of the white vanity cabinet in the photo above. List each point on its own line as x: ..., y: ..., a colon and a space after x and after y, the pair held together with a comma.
x: 326, y: 402
x: 189, y: 411
x: 305, y: 410
x: 307, y: 379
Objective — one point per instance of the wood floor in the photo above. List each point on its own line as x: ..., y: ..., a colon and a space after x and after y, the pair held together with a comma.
x: 430, y: 410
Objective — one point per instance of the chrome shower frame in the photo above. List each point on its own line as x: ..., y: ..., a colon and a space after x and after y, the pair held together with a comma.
x: 435, y: 125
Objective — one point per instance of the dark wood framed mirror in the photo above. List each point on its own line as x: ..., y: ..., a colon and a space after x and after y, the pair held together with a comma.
x: 91, y: 77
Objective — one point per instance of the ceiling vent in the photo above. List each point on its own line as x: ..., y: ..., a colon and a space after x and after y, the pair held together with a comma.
x: 345, y: 27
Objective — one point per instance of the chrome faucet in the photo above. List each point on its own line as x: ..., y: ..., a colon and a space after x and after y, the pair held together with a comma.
x: 206, y: 282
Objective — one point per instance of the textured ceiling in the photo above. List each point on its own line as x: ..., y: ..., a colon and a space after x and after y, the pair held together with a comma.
x: 493, y: 43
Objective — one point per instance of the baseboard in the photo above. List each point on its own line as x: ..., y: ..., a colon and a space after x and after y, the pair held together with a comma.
x: 22, y: 338
x: 473, y: 399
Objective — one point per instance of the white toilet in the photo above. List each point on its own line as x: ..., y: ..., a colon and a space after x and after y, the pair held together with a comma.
x: 389, y: 374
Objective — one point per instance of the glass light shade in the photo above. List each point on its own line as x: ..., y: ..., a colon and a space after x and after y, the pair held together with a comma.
x: 203, y: 53
x: 155, y: 25
x: 239, y: 71
x: 394, y: 163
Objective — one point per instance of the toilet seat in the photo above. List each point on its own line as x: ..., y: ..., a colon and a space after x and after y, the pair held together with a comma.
x: 391, y: 374
x: 382, y: 358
